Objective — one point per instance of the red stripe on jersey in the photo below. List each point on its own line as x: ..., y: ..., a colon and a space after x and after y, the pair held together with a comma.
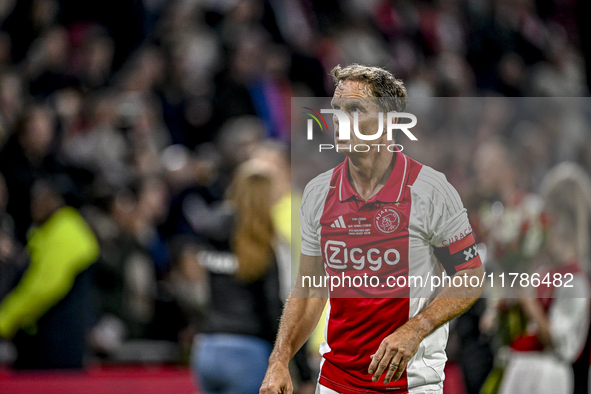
x: 461, y: 244
x: 373, y: 242
x: 339, y: 387
x: 355, y: 331
x: 474, y: 263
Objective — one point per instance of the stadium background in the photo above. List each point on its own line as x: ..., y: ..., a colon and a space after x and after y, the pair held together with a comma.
x: 148, y: 103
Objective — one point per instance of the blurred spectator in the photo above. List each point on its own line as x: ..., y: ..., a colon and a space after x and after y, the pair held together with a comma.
x: 562, y: 75
x: 24, y: 21
x: 246, y: 303
x: 11, y: 103
x: 509, y: 218
x: 47, y: 314
x: 102, y: 148
x: 12, y: 258
x: 188, y: 279
x: 474, y: 353
x: 188, y: 284
x: 125, y: 273
x: 5, y: 49
x: 96, y: 59
x: 152, y: 210
x: 30, y: 154
x: 148, y: 137
x: 125, y: 26
x: 68, y: 104
x: 48, y: 63
x: 508, y: 221
x: 201, y: 183
x: 567, y: 191
x: 237, y: 140
x: 275, y: 158
x: 559, y: 318
x: 234, y: 94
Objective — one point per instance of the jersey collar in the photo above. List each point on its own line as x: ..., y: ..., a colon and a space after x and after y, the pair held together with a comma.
x: 393, y: 190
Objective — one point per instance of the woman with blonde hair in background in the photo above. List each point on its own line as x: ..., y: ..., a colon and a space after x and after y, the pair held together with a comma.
x: 231, y: 353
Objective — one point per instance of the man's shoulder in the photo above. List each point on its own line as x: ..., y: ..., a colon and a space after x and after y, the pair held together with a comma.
x: 318, y: 188
x: 431, y: 183
x: 321, y: 182
x: 430, y: 178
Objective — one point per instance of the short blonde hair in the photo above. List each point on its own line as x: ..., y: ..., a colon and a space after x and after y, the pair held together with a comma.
x: 381, y: 83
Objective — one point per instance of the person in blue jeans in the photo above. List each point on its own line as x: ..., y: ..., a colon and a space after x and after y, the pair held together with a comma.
x: 231, y: 363
x: 230, y: 355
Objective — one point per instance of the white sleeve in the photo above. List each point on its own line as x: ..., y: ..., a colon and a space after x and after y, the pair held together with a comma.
x: 310, y: 212
x: 446, y: 218
x: 569, y: 318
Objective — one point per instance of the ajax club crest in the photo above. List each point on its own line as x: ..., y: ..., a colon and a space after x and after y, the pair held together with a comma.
x: 387, y: 220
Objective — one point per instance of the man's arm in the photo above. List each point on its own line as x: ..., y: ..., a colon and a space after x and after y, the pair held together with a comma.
x: 300, y: 317
x: 444, y: 218
x: 399, y: 347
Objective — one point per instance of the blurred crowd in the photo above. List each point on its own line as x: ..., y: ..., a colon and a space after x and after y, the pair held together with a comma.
x: 131, y: 118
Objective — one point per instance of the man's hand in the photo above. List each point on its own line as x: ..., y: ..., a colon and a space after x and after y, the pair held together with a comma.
x: 398, y: 348
x: 300, y: 316
x: 394, y: 353
x: 277, y: 380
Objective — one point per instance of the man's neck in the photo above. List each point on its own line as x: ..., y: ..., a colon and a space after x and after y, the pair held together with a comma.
x: 369, y: 173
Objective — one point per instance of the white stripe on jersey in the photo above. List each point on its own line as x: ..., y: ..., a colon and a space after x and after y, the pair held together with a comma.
x: 403, y: 176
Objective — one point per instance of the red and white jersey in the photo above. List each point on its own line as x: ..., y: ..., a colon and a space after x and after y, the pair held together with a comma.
x: 391, y: 235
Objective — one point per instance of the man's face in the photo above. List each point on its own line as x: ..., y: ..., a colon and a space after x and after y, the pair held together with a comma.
x: 352, y: 97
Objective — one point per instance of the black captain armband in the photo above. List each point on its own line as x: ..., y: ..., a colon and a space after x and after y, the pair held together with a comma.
x: 460, y: 255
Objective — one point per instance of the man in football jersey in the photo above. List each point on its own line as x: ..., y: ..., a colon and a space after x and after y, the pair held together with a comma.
x: 380, y: 338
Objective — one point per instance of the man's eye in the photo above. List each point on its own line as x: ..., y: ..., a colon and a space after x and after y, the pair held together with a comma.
x: 355, y: 108
x: 336, y: 107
